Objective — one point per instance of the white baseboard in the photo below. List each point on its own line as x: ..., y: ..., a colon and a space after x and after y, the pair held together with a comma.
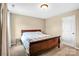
x: 70, y: 45
x: 76, y: 48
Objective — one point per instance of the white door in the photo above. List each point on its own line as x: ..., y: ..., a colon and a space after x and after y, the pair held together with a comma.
x: 68, y: 28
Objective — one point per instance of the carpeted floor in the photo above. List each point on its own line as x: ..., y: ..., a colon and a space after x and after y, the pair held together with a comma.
x: 18, y: 50
x: 65, y: 50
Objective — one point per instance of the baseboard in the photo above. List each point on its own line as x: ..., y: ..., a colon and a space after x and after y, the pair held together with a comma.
x: 70, y: 45
x: 76, y: 48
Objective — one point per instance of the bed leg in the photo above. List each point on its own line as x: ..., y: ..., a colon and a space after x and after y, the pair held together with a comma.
x: 58, y: 45
x: 59, y: 42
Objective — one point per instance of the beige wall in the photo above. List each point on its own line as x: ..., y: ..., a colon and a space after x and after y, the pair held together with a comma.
x: 77, y: 29
x: 54, y: 24
x: 20, y: 22
x: 0, y: 28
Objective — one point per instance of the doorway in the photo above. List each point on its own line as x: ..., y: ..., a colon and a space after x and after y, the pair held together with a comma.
x: 69, y: 30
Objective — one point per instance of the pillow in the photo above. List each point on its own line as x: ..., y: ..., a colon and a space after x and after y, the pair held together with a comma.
x: 30, y: 34
x: 36, y: 34
x: 39, y: 33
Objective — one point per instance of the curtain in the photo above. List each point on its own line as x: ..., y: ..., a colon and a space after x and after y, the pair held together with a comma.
x: 4, y: 30
x: 0, y: 31
x: 9, y: 31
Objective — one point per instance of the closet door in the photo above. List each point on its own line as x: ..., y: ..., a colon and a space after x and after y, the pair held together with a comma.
x: 69, y: 30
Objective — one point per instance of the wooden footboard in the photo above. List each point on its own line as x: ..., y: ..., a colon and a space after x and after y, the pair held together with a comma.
x: 43, y: 45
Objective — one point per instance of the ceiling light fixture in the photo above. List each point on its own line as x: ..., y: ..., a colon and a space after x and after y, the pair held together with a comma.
x: 44, y: 6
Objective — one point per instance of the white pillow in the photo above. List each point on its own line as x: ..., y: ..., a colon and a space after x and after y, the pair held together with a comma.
x: 40, y: 34
x: 31, y: 35
x: 37, y: 32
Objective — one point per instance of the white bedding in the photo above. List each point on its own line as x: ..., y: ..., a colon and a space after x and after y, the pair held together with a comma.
x: 28, y: 37
x: 40, y: 38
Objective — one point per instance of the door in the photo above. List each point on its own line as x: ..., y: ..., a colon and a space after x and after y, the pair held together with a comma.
x: 68, y: 28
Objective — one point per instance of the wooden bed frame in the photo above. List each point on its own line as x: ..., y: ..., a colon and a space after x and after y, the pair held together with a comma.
x: 41, y: 46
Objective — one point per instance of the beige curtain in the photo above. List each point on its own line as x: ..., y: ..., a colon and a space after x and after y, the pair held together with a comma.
x: 4, y: 30
x: 0, y: 32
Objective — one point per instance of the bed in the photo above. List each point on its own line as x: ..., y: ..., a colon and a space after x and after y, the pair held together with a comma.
x: 39, y: 45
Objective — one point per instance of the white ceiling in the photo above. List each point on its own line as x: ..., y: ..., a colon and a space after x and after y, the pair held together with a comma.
x: 34, y: 10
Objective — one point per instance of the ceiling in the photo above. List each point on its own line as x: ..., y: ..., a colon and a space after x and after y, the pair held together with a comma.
x: 34, y: 10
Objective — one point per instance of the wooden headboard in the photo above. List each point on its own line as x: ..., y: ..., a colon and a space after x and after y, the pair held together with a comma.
x: 34, y: 30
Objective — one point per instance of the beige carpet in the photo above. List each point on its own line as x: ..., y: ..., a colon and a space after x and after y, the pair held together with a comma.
x: 63, y: 51
x: 19, y: 50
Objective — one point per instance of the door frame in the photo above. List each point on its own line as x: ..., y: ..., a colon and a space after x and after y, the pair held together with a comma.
x: 75, y: 31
